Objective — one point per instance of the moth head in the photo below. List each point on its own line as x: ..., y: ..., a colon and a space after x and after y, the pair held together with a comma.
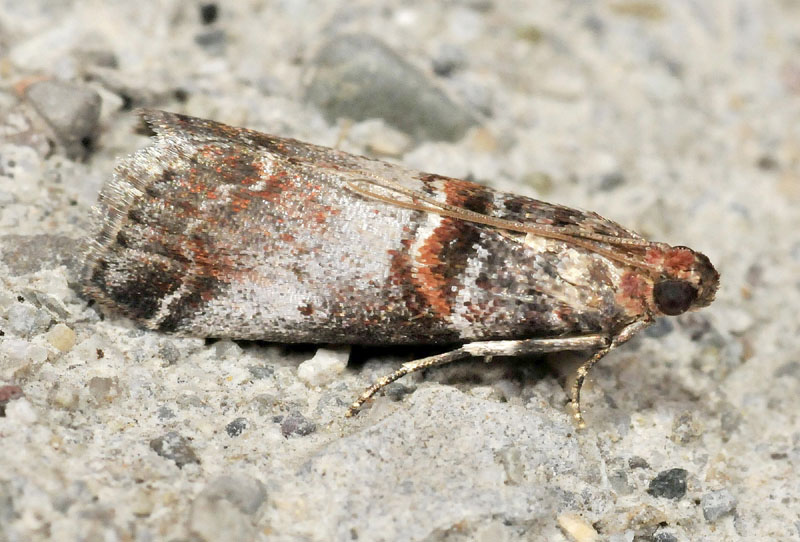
x: 688, y: 282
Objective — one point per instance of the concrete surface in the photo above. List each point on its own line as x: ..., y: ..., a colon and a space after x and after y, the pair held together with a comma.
x: 678, y: 119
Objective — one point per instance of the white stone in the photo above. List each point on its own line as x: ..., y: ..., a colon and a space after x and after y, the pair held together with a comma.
x: 324, y: 367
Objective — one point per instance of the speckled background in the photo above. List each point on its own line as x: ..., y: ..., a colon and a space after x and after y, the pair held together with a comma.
x: 678, y: 119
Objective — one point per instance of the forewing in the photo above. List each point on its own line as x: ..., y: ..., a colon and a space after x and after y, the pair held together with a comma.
x: 219, y: 231
x: 468, y: 195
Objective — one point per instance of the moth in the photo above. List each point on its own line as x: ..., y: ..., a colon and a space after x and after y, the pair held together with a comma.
x: 217, y: 231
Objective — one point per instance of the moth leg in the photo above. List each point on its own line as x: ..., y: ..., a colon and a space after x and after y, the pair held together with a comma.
x: 583, y: 370
x: 487, y: 349
x: 406, y: 368
x: 575, y: 397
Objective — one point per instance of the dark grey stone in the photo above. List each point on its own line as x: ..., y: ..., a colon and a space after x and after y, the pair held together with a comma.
x: 209, y: 13
x: 71, y: 110
x: 358, y: 77
x: 236, y: 427
x: 669, y: 484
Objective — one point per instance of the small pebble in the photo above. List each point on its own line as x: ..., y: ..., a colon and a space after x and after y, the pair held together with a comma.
x: 295, y: 424
x: 326, y: 365
x: 227, y: 349
x: 619, y: 482
x: 14, y: 350
x: 175, y: 447
x: 717, y: 504
x: 169, y: 353
x: 356, y: 76
x: 25, y: 320
x: 61, y: 337
x: 669, y: 484
x: 577, y: 528
x: 37, y: 353
x: 102, y: 389
x: 209, y: 13
x: 71, y: 110
x: 663, y: 536
x: 260, y: 372
x: 236, y: 427
x: 685, y: 428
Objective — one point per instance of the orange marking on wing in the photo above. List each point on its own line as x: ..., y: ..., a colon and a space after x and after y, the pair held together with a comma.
x: 430, y: 284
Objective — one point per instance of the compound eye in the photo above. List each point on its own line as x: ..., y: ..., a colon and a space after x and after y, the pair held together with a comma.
x: 674, y: 297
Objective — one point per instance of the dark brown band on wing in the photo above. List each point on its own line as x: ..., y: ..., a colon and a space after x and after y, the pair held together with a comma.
x: 444, y: 255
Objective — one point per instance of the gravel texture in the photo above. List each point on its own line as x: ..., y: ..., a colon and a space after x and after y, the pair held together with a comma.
x: 678, y: 119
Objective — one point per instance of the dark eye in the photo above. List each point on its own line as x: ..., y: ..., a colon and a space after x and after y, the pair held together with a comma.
x: 674, y: 297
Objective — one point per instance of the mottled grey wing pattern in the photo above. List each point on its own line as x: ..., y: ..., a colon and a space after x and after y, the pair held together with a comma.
x: 500, y: 205
x: 223, y: 232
